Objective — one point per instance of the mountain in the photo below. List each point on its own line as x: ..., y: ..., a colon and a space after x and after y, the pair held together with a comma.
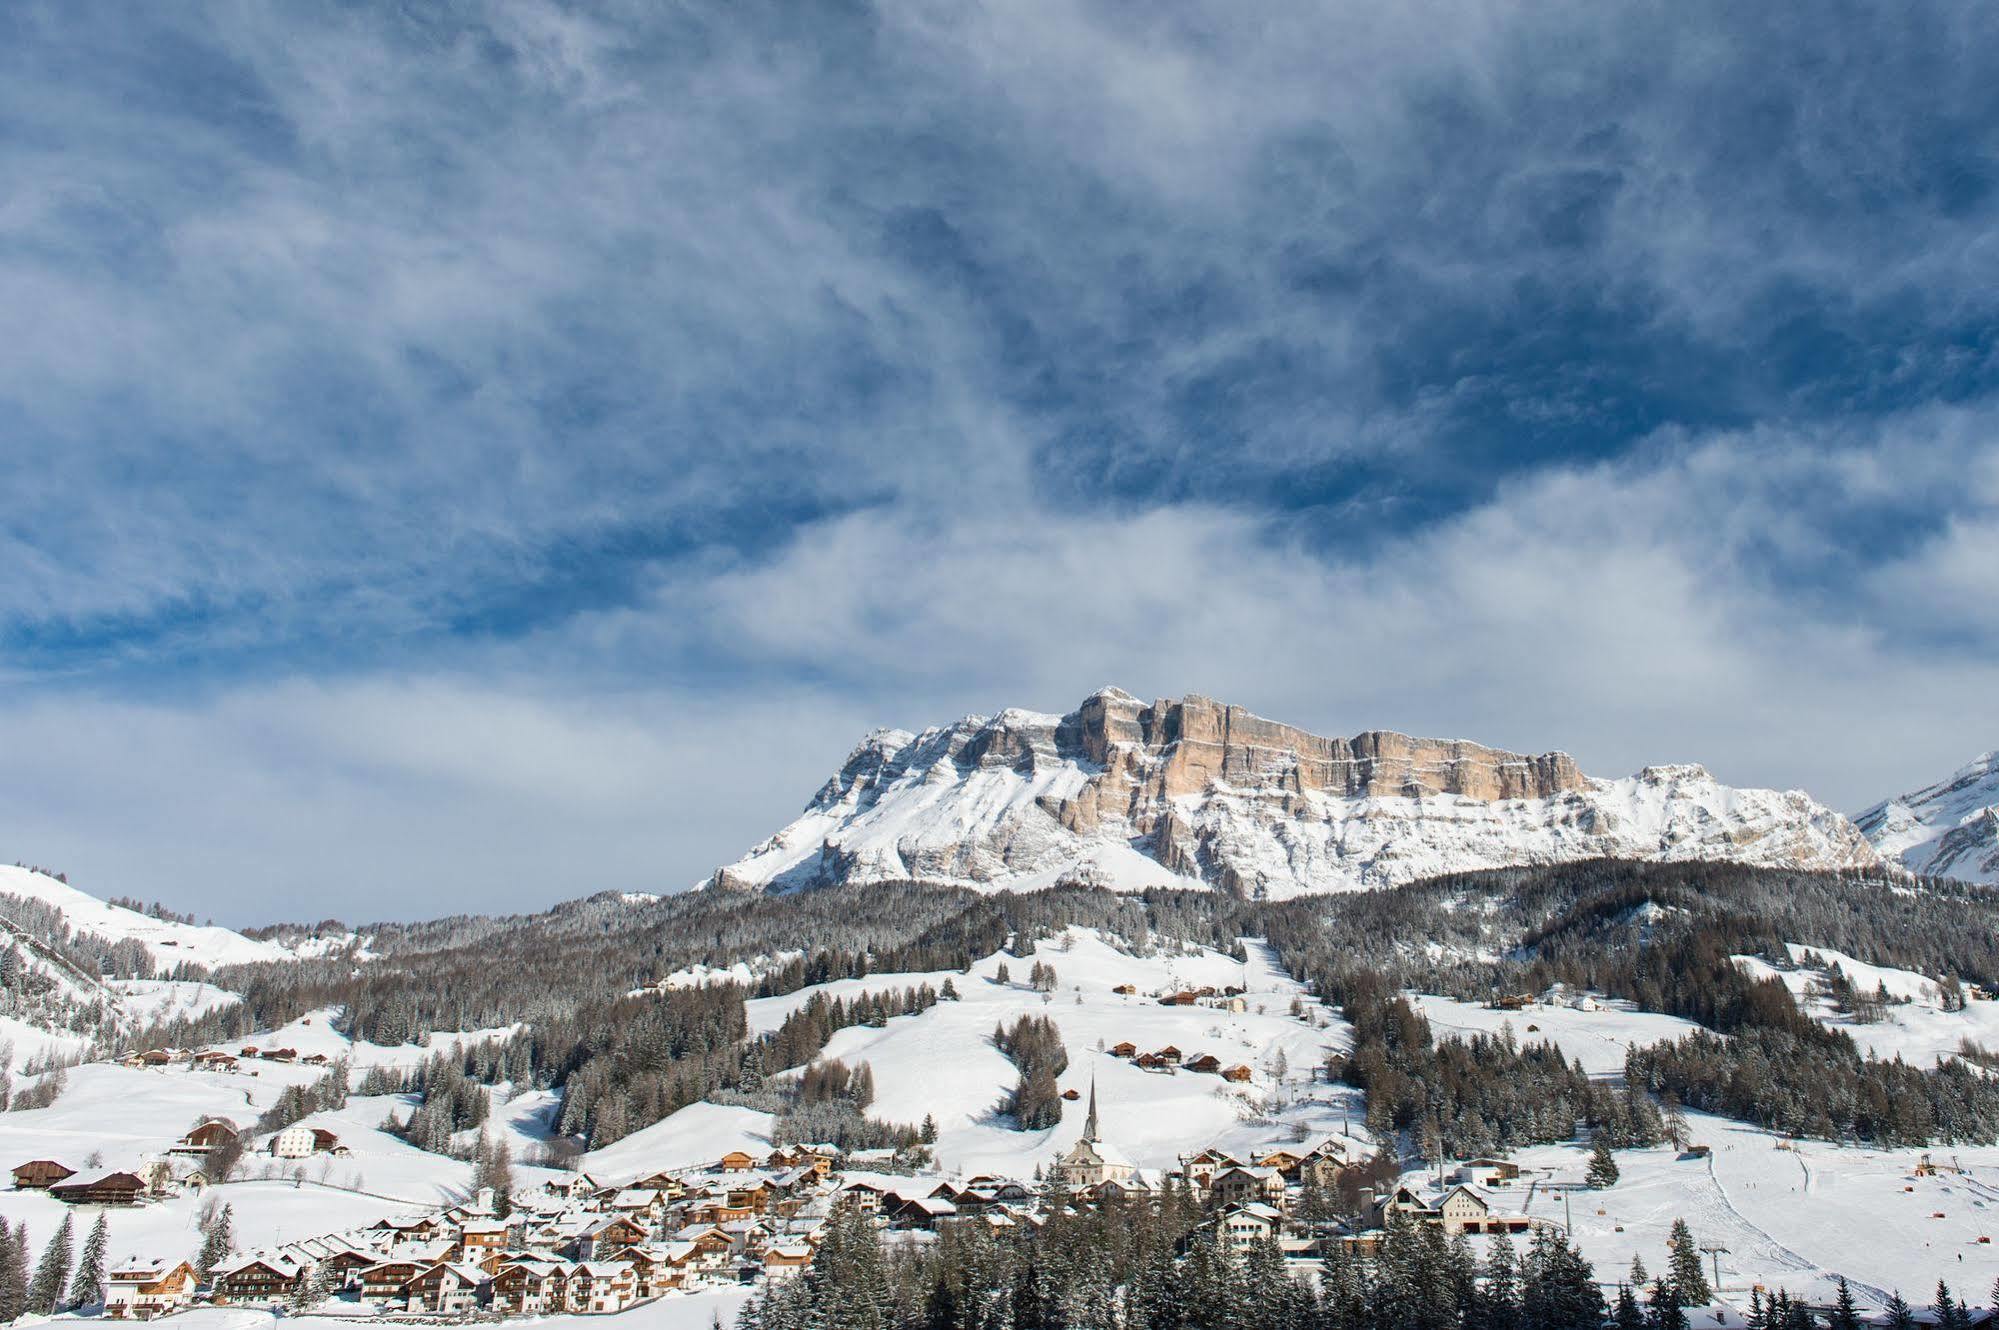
x: 1191, y: 792
x: 1950, y: 829
x: 168, y: 942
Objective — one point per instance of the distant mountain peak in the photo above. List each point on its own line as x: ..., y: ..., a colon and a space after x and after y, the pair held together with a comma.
x: 1193, y: 792
x: 1949, y: 829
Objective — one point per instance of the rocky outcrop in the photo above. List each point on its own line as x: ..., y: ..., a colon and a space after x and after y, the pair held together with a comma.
x: 1191, y: 791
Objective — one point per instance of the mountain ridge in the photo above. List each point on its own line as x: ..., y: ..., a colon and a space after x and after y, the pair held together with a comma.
x: 1193, y: 792
x: 1949, y: 829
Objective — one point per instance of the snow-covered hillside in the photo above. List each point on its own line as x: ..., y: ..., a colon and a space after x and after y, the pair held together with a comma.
x: 1950, y: 829
x: 1129, y: 795
x: 168, y: 942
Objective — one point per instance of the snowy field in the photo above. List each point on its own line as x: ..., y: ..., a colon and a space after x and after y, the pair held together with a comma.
x: 1788, y: 1217
x: 1914, y: 1026
x: 941, y: 1063
x: 1598, y: 1039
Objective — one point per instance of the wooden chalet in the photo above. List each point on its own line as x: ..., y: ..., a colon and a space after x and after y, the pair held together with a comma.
x: 1124, y: 1049
x: 383, y: 1283
x: 208, y: 1135
x: 111, y: 1189
x: 1206, y: 1063
x: 1240, y: 1074
x: 254, y: 1281
x: 40, y: 1174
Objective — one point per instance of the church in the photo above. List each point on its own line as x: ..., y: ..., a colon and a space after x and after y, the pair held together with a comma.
x: 1089, y: 1161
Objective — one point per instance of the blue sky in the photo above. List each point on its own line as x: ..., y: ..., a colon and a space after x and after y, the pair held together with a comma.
x: 465, y: 456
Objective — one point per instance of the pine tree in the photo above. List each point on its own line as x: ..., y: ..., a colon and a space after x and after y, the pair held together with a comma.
x: 1683, y: 1267
x: 1845, y: 1312
x: 13, y: 1276
x: 17, y: 1290
x: 218, y: 1239
x: 1897, y: 1315
x: 1602, y: 1165
x: 1666, y: 1311
x: 1628, y: 1315
x: 1499, y: 1296
x: 45, y: 1290
x: 86, y: 1289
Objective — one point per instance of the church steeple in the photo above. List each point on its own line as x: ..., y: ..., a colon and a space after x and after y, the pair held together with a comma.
x: 1090, y: 1132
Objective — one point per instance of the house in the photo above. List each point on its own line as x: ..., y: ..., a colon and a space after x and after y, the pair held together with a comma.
x: 480, y: 1238
x: 528, y: 1287
x: 1133, y: 1188
x: 919, y: 1211
x: 601, y: 1286
x: 279, y: 1055
x: 208, y: 1134
x: 1125, y: 990
x: 1487, y: 1172
x: 1240, y: 1074
x: 325, y: 1142
x: 346, y: 1264
x: 1287, y: 1162
x: 254, y: 1280
x: 1207, y: 1063
x: 786, y: 1258
x: 383, y: 1283
x: 1169, y: 1054
x: 141, y: 1290
x: 1201, y: 1169
x: 296, y: 1143
x: 111, y: 1189
x: 737, y: 1161
x: 1184, y: 998
x: 1243, y: 1185
x: 215, y: 1060
x: 1124, y: 1049
x: 449, y: 1288
x: 170, y: 1176
x: 40, y: 1174
x: 1247, y: 1226
x: 608, y: 1235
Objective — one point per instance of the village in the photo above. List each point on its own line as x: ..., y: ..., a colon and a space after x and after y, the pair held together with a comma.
x: 583, y: 1244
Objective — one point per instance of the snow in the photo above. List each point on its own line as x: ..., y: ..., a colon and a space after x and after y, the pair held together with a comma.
x: 697, y: 1310
x: 168, y: 943
x: 1950, y: 829
x: 696, y: 1135
x: 976, y: 805
x: 1914, y: 1026
x: 1790, y: 1218
x: 1597, y: 1039
x: 941, y: 1062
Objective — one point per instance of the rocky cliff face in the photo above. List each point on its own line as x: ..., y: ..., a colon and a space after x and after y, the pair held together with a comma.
x: 1949, y: 829
x: 1192, y: 792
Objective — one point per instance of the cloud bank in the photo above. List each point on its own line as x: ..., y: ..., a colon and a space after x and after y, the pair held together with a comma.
x: 464, y: 458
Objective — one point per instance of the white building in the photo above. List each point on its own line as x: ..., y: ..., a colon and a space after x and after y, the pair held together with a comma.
x: 293, y: 1142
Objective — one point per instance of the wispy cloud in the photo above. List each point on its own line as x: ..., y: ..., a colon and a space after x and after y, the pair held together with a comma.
x: 1561, y: 375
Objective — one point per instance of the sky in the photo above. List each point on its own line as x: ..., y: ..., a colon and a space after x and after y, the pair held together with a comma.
x: 462, y: 457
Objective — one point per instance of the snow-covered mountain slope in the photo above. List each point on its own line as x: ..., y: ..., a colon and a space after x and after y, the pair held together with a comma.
x: 168, y: 942
x: 1950, y: 829
x: 1191, y: 792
